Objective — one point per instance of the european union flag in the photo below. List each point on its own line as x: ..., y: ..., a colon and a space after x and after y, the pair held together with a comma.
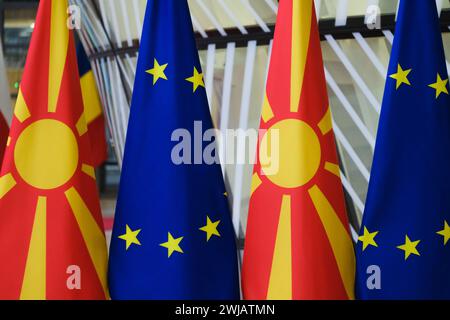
x: 403, y: 250
x: 173, y: 237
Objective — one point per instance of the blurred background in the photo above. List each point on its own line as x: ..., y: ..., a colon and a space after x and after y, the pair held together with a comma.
x: 234, y: 39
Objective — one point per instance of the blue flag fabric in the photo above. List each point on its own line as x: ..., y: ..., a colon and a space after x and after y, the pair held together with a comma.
x: 403, y: 250
x: 172, y: 237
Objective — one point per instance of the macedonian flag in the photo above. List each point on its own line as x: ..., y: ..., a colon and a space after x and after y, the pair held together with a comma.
x: 298, y: 244
x: 52, y: 244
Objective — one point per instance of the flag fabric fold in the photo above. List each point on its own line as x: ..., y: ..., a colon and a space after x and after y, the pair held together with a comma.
x: 5, y: 105
x: 298, y: 243
x: 172, y: 235
x: 93, y: 109
x: 52, y: 244
x: 403, y: 249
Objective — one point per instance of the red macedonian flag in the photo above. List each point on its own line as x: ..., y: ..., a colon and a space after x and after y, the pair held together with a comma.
x: 52, y: 243
x: 298, y: 244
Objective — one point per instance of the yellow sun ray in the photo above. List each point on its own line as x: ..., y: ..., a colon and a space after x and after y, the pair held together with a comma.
x: 59, y: 44
x: 7, y: 182
x: 301, y: 29
x: 33, y: 284
x: 89, y: 170
x: 81, y: 126
x: 280, y: 282
x: 325, y: 125
x: 21, y: 110
x: 267, y: 112
x: 333, y: 168
x: 338, y: 237
x: 92, y: 234
x: 256, y: 182
x: 92, y: 104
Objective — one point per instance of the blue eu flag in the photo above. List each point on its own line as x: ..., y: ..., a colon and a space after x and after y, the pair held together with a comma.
x: 403, y: 250
x: 173, y: 237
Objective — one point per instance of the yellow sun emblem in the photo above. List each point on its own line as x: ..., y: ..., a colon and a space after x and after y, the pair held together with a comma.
x: 47, y: 155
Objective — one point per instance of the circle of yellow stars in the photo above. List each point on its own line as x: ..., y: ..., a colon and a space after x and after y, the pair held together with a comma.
x: 401, y: 78
x: 173, y: 244
x: 409, y: 247
x: 158, y: 72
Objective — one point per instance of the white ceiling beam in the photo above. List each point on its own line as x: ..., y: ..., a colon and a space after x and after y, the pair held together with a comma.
x: 318, y: 4
x: 241, y: 141
x: 198, y: 27
x: 210, y: 68
x: 211, y: 17
x: 341, y: 13
x: 439, y: 4
x: 272, y: 6
x: 350, y: 109
x: 255, y: 15
x: 233, y: 17
x: 354, y: 73
x: 370, y: 54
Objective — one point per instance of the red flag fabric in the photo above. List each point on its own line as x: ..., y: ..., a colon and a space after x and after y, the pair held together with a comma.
x: 5, y: 105
x: 93, y: 109
x: 298, y: 244
x: 4, y: 131
x: 52, y: 244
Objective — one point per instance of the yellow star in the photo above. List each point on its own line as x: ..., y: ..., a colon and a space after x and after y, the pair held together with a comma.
x: 445, y: 232
x: 440, y: 86
x: 172, y: 245
x: 196, y: 80
x: 158, y: 71
x: 368, y: 238
x: 210, y: 228
x: 130, y: 237
x: 401, y: 76
x: 409, y: 247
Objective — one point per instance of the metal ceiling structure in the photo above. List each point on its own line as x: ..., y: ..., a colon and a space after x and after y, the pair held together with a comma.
x: 234, y: 39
